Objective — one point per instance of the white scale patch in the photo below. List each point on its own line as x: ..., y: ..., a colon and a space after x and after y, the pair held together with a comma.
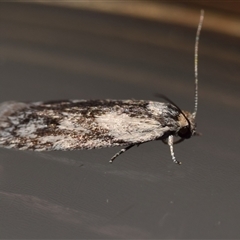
x: 68, y: 124
x: 59, y: 142
x: 157, y: 107
x: 132, y: 129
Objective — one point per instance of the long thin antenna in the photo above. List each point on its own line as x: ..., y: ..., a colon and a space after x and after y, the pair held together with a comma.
x: 196, y: 62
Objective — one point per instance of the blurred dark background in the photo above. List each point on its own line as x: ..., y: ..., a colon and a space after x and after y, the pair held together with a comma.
x: 124, y: 50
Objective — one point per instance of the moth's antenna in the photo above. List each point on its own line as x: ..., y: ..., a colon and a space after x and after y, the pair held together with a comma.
x: 196, y: 62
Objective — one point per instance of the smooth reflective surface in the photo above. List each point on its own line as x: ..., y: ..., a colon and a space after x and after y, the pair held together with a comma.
x: 50, y: 53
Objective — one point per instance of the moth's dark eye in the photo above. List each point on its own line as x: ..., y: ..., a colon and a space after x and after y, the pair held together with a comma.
x: 185, y: 132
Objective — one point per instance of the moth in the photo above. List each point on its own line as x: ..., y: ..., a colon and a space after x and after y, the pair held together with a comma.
x: 88, y: 124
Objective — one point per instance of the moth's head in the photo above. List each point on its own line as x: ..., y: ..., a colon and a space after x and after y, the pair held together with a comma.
x: 187, y: 125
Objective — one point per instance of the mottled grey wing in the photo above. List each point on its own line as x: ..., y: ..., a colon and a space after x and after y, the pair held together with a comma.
x: 78, y: 124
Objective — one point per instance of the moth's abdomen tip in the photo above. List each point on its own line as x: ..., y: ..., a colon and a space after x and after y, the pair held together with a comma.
x: 111, y: 161
x: 179, y: 163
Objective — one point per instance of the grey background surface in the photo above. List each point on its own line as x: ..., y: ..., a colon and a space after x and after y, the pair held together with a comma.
x: 50, y: 53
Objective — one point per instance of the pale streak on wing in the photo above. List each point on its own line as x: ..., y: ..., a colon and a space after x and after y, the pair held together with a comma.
x: 130, y: 129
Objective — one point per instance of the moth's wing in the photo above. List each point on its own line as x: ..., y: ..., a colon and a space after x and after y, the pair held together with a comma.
x: 125, y: 128
x: 78, y: 124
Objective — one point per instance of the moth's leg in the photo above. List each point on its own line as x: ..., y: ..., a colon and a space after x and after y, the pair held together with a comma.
x: 175, y: 142
x: 170, y: 144
x: 121, y: 151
